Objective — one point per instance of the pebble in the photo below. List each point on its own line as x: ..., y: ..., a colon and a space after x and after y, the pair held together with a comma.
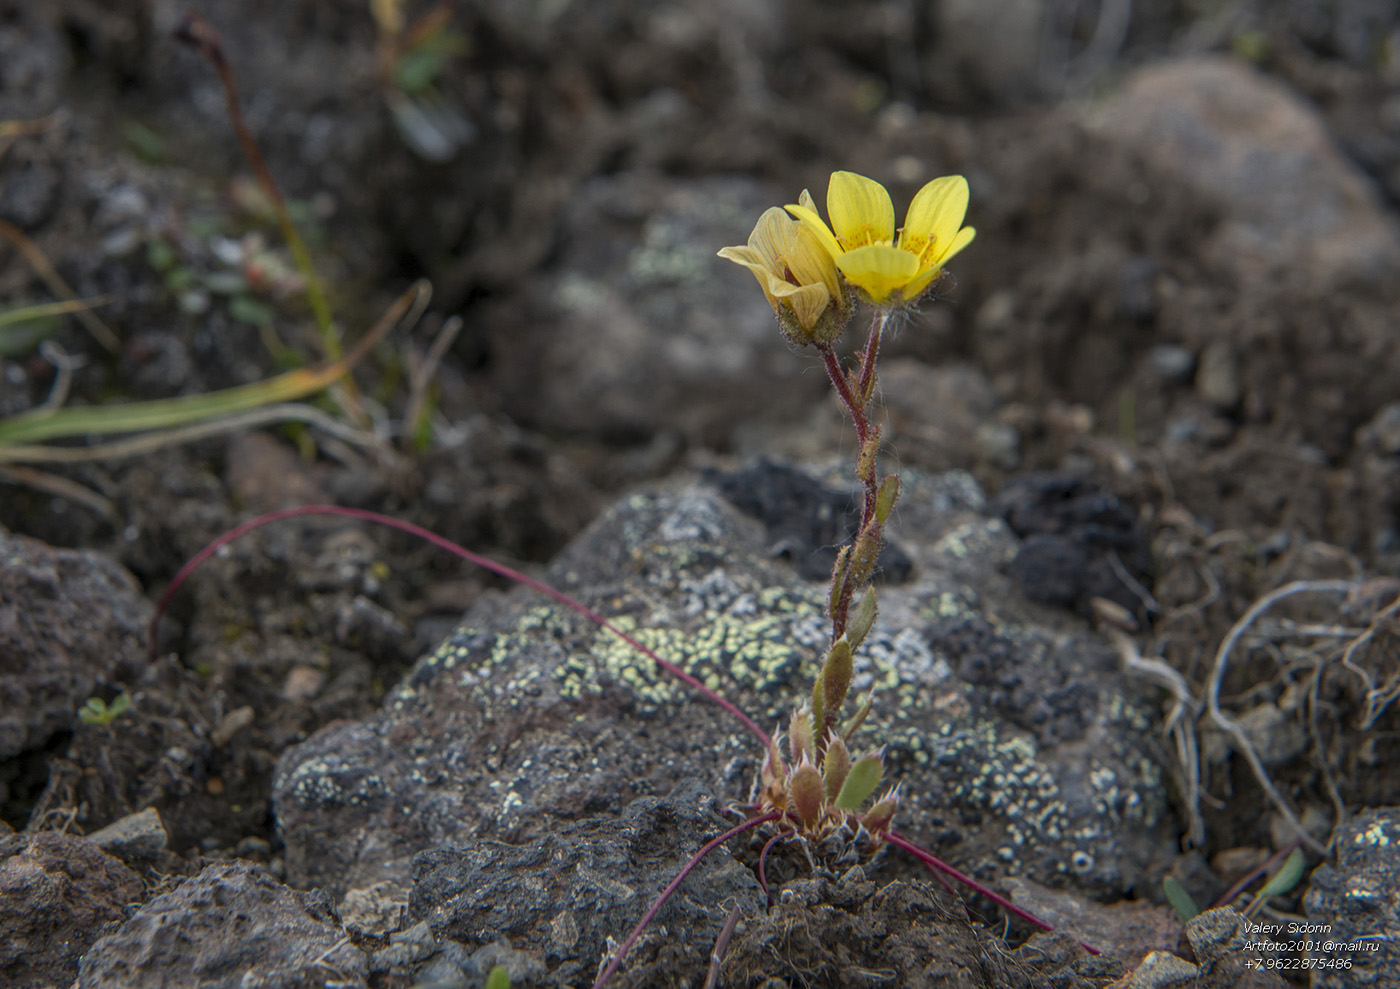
x: 1171, y: 362
x: 1218, y: 377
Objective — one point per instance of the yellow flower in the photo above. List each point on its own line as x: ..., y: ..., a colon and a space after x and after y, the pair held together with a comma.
x: 797, y: 274
x: 861, y: 239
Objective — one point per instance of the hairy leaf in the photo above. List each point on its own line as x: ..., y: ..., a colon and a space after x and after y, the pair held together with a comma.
x: 861, y: 782
x: 807, y: 794
x: 863, y: 620
x: 836, y: 766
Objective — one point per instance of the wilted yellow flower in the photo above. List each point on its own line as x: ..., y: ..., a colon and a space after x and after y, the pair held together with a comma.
x: 797, y: 274
x: 862, y: 237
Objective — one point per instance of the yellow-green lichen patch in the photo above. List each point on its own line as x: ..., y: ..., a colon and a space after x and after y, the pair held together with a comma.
x: 1002, y: 775
x: 756, y: 655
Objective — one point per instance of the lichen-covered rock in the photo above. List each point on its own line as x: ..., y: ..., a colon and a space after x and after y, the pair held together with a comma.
x: 231, y: 927
x: 56, y: 897
x: 70, y: 621
x: 1353, y: 905
x: 1018, y: 744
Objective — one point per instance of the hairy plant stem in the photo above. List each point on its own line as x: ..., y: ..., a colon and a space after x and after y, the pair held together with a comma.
x: 855, y: 392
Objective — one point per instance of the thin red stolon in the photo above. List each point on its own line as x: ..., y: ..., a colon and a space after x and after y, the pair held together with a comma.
x: 485, y: 563
x: 672, y: 886
x: 763, y: 859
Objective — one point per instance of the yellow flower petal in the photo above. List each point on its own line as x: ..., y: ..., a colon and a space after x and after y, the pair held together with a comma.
x: 860, y: 210
x: 934, y: 218
x: 960, y: 240
x: 808, y: 302
x: 912, y: 290
x: 791, y: 265
x: 813, y: 222
x: 879, y: 270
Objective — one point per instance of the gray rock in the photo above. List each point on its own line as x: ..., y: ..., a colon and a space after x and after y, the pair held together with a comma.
x: 1219, y: 939
x: 567, y: 892
x: 1355, y: 903
x: 56, y: 897
x: 934, y: 413
x: 70, y: 621
x: 1018, y: 746
x: 136, y: 836
x: 641, y: 329
x: 231, y: 927
x: 1289, y: 198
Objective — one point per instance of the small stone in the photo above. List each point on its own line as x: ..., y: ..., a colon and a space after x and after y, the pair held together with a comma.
x: 375, y: 910
x: 1162, y: 970
x: 253, y: 847
x: 303, y: 683
x: 1218, y: 377
x: 1171, y: 362
x: 136, y: 836
x: 231, y: 724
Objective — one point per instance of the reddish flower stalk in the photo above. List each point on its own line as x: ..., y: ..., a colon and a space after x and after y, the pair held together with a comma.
x: 485, y: 563
x: 868, y: 442
x: 671, y: 888
x: 937, y: 865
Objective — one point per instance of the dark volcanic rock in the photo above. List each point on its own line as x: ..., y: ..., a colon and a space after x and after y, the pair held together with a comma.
x: 570, y: 890
x: 1357, y: 898
x: 70, y: 623
x: 230, y: 927
x: 807, y: 519
x: 529, y: 717
x: 56, y: 897
x: 1080, y: 542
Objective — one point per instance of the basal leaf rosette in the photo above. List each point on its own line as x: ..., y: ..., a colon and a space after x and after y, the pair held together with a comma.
x: 889, y: 267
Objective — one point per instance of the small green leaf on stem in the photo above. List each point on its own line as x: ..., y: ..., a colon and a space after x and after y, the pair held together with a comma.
x: 499, y: 978
x: 861, y: 782
x: 869, y: 450
x: 886, y: 497
x: 835, y: 680
x: 863, y: 555
x: 800, y: 735
x: 838, y: 579
x: 863, y: 620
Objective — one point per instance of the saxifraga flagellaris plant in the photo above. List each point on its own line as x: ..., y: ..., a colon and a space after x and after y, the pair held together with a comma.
x: 811, y: 789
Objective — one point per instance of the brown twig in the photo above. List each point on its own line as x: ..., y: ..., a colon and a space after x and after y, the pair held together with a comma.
x: 721, y: 946
x: 196, y: 31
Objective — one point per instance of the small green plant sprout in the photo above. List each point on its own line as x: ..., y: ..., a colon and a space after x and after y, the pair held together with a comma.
x: 499, y: 978
x: 98, y: 712
x: 413, y: 61
x: 1181, y: 901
